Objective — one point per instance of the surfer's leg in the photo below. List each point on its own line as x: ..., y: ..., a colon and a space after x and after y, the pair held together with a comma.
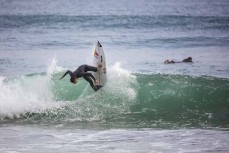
x: 88, y: 79
x: 91, y: 68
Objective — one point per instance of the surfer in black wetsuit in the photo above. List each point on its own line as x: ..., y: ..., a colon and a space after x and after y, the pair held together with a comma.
x: 186, y: 60
x: 82, y: 72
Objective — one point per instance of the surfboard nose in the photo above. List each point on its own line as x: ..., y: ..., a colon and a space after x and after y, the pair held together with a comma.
x: 99, y: 44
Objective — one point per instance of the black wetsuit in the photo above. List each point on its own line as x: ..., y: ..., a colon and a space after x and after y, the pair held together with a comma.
x: 82, y: 72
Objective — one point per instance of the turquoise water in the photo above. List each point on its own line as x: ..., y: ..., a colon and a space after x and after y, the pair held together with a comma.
x: 146, y: 105
x: 127, y: 101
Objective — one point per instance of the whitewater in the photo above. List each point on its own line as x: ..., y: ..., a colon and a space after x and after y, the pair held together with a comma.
x: 133, y: 99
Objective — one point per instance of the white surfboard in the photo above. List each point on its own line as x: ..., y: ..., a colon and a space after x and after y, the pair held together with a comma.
x: 100, y: 59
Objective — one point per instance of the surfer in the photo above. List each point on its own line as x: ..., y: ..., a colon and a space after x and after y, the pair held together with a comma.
x: 169, y: 61
x: 81, y: 71
x: 189, y: 59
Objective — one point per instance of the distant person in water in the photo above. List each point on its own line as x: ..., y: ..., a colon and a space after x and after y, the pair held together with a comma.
x: 189, y: 59
x: 82, y: 71
x: 168, y: 61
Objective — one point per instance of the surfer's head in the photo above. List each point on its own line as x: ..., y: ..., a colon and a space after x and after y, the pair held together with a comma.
x: 189, y: 59
x: 74, y: 80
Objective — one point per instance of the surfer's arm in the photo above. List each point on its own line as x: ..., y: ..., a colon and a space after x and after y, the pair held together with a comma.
x: 88, y: 74
x: 68, y: 72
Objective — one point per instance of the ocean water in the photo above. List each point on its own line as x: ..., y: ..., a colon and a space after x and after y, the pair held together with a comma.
x: 146, y: 105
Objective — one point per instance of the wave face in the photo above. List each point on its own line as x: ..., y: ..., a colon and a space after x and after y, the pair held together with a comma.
x: 127, y: 100
x: 182, y: 100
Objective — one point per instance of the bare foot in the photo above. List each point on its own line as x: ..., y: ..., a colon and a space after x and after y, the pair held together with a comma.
x: 96, y: 82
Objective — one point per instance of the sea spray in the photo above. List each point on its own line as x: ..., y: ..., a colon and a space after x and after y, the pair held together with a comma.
x: 25, y: 94
x: 45, y: 95
x: 113, y: 99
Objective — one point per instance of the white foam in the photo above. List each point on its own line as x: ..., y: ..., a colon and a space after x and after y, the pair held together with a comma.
x: 121, y: 81
x: 53, y: 67
x: 35, y: 94
x: 115, y: 97
x: 27, y: 93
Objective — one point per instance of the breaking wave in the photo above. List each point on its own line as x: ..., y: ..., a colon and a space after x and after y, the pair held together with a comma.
x: 127, y: 100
